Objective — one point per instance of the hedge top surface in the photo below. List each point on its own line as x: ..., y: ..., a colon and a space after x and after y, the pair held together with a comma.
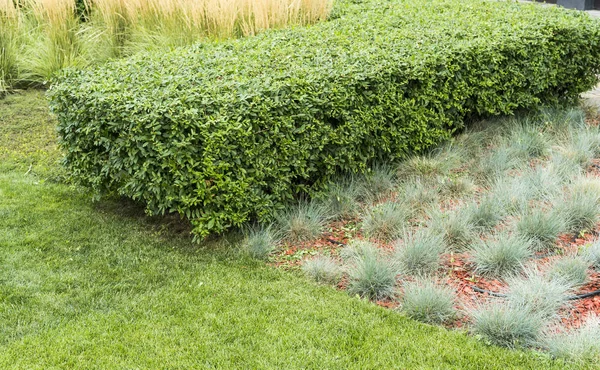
x: 414, y: 33
x: 227, y: 131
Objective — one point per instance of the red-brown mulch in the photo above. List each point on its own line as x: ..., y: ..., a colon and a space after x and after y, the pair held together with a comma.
x: 457, y: 271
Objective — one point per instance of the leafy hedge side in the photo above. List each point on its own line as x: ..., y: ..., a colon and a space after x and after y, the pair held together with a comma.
x: 231, y: 131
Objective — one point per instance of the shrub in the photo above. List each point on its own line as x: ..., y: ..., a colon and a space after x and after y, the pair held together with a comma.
x: 322, y: 269
x: 428, y: 302
x: 228, y: 132
x: 536, y: 294
x: 259, y: 241
x: 507, y: 325
x: 386, y: 221
x: 581, y: 345
x: 501, y: 255
x: 303, y: 223
x: 372, y: 274
x: 570, y: 270
x: 541, y: 228
x: 419, y: 253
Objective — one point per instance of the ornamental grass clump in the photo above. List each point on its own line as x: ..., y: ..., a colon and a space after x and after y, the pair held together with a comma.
x: 507, y: 325
x: 419, y: 253
x: 537, y: 294
x: 386, y: 221
x: 579, y: 345
x: 9, y: 47
x: 456, y: 230
x: 541, y: 228
x: 304, y: 222
x: 379, y: 182
x: 581, y: 211
x: 428, y: 302
x: 260, y: 241
x: 570, y: 270
x: 372, y: 274
x: 592, y: 254
x: 341, y: 199
x: 56, y: 40
x: 322, y: 269
x: 527, y: 141
x: 501, y: 255
x: 485, y: 215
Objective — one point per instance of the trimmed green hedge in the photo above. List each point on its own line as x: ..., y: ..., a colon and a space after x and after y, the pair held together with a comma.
x: 231, y: 131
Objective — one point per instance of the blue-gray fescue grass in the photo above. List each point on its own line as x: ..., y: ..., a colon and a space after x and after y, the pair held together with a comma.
x: 537, y: 294
x: 386, y: 221
x: 507, y: 325
x: 379, y: 183
x: 501, y: 255
x: 571, y: 270
x: 418, y: 196
x: 592, y: 254
x: 456, y: 230
x: 581, y: 211
x: 341, y: 198
x: 259, y: 241
x: 541, y: 228
x: 580, y: 345
x: 372, y: 273
x: 485, y: 215
x: 322, y: 269
x: 304, y: 222
x: 419, y: 253
x: 428, y: 302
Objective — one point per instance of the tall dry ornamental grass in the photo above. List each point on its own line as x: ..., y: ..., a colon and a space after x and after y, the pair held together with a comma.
x: 9, y: 28
x: 40, y: 37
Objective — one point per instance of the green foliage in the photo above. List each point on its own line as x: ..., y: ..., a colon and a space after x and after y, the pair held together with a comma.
x: 541, y: 228
x: 372, y: 274
x: 322, y: 269
x: 386, y: 221
x: 571, y: 270
x: 419, y: 253
x: 500, y: 255
x: 228, y: 132
x: 259, y: 242
x: 304, y: 222
x: 428, y: 302
x: 507, y: 325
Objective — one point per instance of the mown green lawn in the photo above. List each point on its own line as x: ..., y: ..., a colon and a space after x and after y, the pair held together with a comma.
x: 98, y: 285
